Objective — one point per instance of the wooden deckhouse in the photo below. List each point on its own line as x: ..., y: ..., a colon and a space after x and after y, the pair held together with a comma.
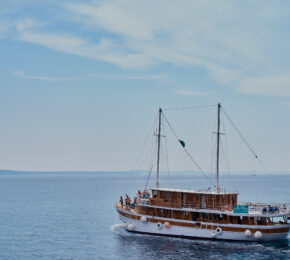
x: 176, y: 198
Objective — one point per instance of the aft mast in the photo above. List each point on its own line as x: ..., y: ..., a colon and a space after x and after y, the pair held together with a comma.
x: 158, y: 148
x: 218, y: 148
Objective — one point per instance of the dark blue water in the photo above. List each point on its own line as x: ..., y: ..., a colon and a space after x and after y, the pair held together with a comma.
x: 71, y: 216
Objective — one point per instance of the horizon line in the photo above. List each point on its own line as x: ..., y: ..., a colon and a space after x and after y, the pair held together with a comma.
x: 136, y: 171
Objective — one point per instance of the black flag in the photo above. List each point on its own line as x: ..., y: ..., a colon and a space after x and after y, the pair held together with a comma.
x: 181, y: 142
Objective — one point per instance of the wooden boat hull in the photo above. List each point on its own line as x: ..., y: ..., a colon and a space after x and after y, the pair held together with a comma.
x: 182, y: 229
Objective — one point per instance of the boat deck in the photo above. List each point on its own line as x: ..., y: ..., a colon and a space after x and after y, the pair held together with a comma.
x: 129, y: 209
x: 253, y: 209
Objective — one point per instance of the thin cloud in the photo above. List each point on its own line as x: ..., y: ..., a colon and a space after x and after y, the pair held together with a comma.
x: 131, y: 77
x: 222, y: 38
x: 277, y: 86
x: 22, y: 75
x: 190, y: 92
x: 104, y: 50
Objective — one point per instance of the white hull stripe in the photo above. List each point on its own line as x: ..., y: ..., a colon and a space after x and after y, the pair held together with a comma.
x: 153, y: 228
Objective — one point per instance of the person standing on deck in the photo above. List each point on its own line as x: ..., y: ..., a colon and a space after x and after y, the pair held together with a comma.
x: 121, y: 201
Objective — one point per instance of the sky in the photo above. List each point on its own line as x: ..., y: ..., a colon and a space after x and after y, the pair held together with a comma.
x: 82, y: 81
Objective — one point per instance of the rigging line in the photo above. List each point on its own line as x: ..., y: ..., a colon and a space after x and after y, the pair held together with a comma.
x: 213, y: 140
x: 167, y: 164
x: 133, y: 177
x: 263, y: 165
x: 189, y: 155
x: 142, y: 162
x: 152, y: 162
x: 138, y: 160
x: 149, y: 155
x: 148, y: 177
x: 224, y: 158
x: 195, y: 163
x: 145, y: 143
x: 226, y: 146
x: 211, y: 156
x: 244, y: 140
x: 240, y: 134
x: 184, y: 108
x: 166, y: 153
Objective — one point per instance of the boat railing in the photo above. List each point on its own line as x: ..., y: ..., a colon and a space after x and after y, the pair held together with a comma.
x: 144, y: 201
x: 267, y: 208
x: 179, y: 204
x: 250, y: 208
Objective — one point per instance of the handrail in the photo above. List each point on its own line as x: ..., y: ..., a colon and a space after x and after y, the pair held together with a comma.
x: 258, y: 208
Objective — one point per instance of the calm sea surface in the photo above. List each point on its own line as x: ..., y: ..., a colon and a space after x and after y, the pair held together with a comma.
x: 71, y: 216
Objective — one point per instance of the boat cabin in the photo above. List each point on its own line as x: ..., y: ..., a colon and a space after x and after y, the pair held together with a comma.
x: 175, y: 198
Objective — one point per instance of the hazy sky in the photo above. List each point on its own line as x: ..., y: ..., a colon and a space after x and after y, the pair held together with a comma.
x: 81, y: 81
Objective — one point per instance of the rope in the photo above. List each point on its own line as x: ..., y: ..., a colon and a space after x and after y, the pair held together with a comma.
x: 148, y: 177
x: 212, y: 147
x: 145, y: 143
x: 226, y: 147
x: 240, y: 134
x: 141, y: 161
x: 184, y: 108
x: 164, y: 147
x: 244, y: 140
x: 189, y: 155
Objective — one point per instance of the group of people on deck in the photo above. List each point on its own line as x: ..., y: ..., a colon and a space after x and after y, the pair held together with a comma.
x: 128, y: 205
x: 143, y: 195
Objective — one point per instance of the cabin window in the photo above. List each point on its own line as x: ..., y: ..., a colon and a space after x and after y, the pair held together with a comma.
x: 233, y: 200
x: 234, y: 219
x: 166, y: 213
x: 202, y: 201
x: 263, y: 221
x: 168, y: 195
x: 194, y: 216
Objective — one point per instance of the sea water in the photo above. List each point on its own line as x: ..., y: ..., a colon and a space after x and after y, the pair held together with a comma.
x: 72, y: 216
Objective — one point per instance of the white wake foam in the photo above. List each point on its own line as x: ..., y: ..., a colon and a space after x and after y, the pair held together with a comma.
x: 119, y: 230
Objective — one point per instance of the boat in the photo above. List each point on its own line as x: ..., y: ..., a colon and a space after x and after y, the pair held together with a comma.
x: 212, y: 214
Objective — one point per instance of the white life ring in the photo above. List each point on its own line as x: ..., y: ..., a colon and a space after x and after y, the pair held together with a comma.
x: 218, y: 230
x: 159, y: 225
